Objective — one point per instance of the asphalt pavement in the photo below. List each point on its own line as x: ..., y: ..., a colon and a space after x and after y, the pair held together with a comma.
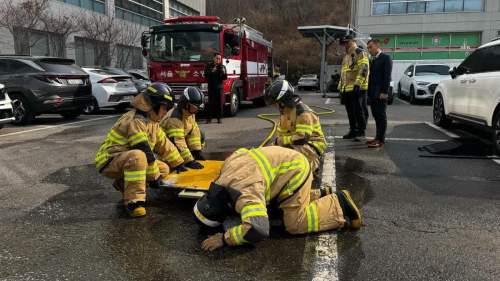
x: 424, y: 218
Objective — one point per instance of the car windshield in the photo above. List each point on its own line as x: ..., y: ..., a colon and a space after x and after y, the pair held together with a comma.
x: 60, y: 66
x: 423, y: 70
x: 184, y: 45
x: 108, y: 72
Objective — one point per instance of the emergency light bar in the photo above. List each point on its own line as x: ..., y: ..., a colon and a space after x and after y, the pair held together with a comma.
x: 192, y: 19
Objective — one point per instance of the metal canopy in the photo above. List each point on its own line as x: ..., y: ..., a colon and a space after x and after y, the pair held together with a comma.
x: 326, y: 35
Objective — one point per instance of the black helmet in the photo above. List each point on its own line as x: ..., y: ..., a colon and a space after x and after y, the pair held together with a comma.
x: 192, y: 95
x: 213, y: 208
x: 280, y: 91
x: 158, y: 94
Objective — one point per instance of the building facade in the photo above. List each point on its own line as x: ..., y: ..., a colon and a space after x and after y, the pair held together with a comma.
x: 433, y: 30
x: 116, y: 43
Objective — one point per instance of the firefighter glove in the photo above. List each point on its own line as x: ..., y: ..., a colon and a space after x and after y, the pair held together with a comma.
x: 179, y: 169
x: 194, y: 165
x: 197, y: 155
x: 300, y: 142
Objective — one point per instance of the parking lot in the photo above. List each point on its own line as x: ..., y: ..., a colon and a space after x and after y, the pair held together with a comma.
x: 424, y: 218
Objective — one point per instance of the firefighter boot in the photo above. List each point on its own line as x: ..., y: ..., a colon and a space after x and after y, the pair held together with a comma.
x: 351, y: 211
x: 136, y: 209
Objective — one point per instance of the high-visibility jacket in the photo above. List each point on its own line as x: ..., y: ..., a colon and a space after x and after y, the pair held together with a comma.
x: 301, y: 125
x: 254, y: 178
x: 355, y: 71
x: 136, y: 131
x: 182, y: 129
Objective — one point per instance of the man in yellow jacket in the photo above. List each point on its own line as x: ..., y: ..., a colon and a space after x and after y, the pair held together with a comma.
x: 181, y: 127
x: 299, y: 127
x: 353, y: 86
x: 252, y: 180
x: 128, y: 155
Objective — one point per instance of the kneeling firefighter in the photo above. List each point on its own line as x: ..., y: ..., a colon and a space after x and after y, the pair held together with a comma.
x: 299, y: 127
x: 252, y: 180
x: 128, y: 155
x: 181, y: 127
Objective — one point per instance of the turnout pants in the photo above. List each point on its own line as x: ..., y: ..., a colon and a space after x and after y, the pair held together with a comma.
x: 355, y: 105
x: 303, y: 215
x: 128, y: 169
x: 214, y: 103
x: 379, y: 113
x: 311, y: 155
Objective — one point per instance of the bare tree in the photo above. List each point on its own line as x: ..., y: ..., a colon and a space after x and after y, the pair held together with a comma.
x: 20, y: 17
x: 128, y: 36
x: 62, y: 24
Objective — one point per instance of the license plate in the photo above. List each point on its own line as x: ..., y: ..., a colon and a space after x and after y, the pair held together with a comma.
x: 127, y: 98
x: 124, y: 85
x: 75, y: 81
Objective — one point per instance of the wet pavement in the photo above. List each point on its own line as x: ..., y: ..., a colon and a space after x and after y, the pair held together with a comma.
x: 425, y: 219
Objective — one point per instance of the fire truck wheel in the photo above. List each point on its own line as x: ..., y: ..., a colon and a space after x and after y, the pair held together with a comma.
x: 234, y: 105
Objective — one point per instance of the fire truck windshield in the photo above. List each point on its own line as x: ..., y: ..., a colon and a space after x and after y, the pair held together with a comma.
x: 184, y: 45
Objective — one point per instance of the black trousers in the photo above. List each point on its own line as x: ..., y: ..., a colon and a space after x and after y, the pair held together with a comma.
x: 355, y: 105
x: 214, y: 103
x: 379, y: 112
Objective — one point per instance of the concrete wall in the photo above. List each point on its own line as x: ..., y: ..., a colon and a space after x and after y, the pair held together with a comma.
x: 487, y: 22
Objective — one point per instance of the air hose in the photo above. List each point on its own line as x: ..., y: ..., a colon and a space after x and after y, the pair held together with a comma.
x: 269, y: 117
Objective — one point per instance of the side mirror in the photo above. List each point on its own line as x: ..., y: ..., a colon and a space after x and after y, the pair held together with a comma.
x: 453, y: 72
x: 145, y: 43
x: 409, y: 73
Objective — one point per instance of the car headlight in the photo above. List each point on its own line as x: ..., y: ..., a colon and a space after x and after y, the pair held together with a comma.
x: 204, y: 86
x: 423, y: 83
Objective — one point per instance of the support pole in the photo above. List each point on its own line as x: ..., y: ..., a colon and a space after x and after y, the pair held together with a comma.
x: 322, y: 80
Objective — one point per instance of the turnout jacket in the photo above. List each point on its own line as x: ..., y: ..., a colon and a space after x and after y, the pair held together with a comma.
x: 256, y: 177
x: 355, y: 71
x: 299, y: 126
x: 181, y: 128
x: 136, y: 131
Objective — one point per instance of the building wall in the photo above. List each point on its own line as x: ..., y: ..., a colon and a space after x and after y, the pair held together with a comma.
x: 486, y: 23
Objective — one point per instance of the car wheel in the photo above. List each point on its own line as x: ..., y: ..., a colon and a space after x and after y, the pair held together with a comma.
x: 72, y: 114
x: 91, y: 107
x: 438, y: 113
x: 23, y: 114
x: 1, y: 126
x: 400, y: 94
x: 496, y: 132
x: 412, y: 95
x: 121, y: 108
x: 234, y: 105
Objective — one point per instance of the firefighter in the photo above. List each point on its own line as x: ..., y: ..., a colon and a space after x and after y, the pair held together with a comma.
x: 181, y: 127
x: 128, y: 155
x: 353, y: 86
x: 299, y: 127
x: 253, y: 180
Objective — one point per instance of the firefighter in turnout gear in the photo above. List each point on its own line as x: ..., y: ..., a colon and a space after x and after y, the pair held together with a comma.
x: 252, y: 180
x: 353, y: 86
x: 181, y: 127
x: 299, y: 127
x: 128, y: 155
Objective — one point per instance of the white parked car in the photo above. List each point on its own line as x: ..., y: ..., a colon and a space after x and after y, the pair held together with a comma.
x: 110, y: 89
x: 309, y: 81
x: 473, y: 94
x: 6, y: 112
x: 140, y: 78
x: 420, y: 80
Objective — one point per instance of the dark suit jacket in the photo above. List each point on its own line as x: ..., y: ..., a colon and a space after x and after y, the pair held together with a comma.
x: 380, y: 76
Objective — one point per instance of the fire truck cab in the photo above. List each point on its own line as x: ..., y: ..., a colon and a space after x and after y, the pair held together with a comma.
x: 179, y: 50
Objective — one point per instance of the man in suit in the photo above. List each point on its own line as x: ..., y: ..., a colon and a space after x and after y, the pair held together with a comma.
x: 378, y: 89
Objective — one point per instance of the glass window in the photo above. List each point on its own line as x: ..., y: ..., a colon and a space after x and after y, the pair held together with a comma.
x: 489, y: 60
x: 380, y: 8
x: 397, y: 8
x: 436, y: 6
x: 454, y: 5
x: 426, y: 70
x: 473, y: 5
x: 39, y: 44
x: 60, y: 66
x: 416, y: 7
x: 184, y: 45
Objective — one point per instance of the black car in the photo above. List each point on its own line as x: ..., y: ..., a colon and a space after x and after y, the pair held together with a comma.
x: 40, y: 85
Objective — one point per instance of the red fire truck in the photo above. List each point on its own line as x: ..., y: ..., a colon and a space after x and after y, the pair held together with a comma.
x: 179, y: 50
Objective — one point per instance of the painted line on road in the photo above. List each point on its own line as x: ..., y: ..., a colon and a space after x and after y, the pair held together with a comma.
x: 57, y: 126
x: 325, y: 265
x: 444, y: 131
x: 402, y: 139
x: 497, y: 161
x: 328, y: 100
x: 403, y: 101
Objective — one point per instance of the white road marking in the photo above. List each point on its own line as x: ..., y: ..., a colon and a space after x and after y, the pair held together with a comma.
x: 325, y: 265
x: 57, y: 126
x: 403, y: 101
x: 403, y: 139
x: 497, y: 161
x: 328, y: 100
x: 444, y: 131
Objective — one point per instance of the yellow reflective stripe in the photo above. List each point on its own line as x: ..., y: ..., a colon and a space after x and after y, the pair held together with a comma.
x: 289, y: 166
x: 172, y: 156
x: 172, y: 133
x: 101, y: 159
x: 161, y: 135
x: 116, y: 137
x: 295, y: 182
x: 306, y: 129
x: 185, y: 153
x: 287, y: 140
x: 312, y: 218
x: 265, y: 167
x: 194, y: 141
x: 167, y: 97
x: 237, y: 235
x: 152, y: 90
x: 253, y: 210
x: 135, y: 175
x: 138, y: 138
x: 153, y: 169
